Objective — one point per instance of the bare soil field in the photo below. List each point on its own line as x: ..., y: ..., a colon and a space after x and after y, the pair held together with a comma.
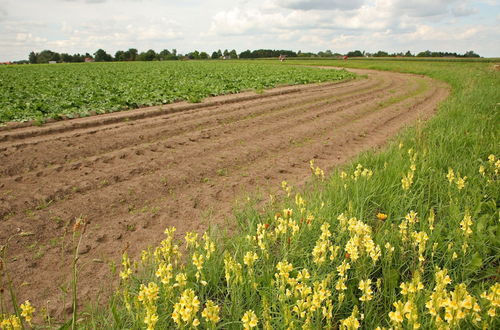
x: 132, y: 174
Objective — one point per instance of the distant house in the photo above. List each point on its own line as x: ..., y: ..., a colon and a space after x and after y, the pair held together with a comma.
x: 52, y: 62
x: 5, y: 63
x: 89, y: 59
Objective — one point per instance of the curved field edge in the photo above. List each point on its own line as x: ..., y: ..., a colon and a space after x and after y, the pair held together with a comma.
x: 443, y: 172
x: 44, y: 92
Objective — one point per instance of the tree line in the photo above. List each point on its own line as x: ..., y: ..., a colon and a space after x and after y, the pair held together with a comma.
x: 133, y: 54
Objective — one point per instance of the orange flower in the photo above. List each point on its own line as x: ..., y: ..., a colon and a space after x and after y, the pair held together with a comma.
x: 381, y: 216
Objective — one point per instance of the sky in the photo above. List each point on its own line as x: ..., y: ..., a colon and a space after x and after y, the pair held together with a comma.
x: 80, y: 26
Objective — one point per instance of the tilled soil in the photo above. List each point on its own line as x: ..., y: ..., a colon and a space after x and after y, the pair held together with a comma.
x: 132, y: 174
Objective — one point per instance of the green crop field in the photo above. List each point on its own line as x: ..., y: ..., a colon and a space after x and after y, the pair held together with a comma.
x: 36, y: 92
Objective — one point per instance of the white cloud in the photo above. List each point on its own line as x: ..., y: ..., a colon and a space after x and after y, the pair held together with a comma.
x: 320, y: 4
x: 310, y: 25
x: 463, y: 10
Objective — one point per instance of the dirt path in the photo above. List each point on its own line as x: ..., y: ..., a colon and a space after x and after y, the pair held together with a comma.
x: 132, y: 174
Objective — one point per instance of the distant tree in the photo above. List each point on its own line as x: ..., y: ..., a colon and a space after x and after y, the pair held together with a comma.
x: 101, y: 56
x: 149, y: 55
x: 164, y: 54
x: 78, y: 58
x: 471, y: 53
x: 174, y: 51
x: 33, y: 57
x: 246, y: 54
x: 215, y: 56
x: 219, y: 53
x: 47, y: 55
x: 120, y: 56
x: 226, y: 53
x: 67, y: 58
x: 233, y: 54
x: 194, y: 55
x: 408, y: 54
x: 356, y: 53
x: 381, y: 53
x: 326, y: 53
x: 131, y: 54
x: 203, y: 56
x: 427, y: 53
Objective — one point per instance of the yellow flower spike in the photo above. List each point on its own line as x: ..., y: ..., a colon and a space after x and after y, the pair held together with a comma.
x: 211, y: 312
x: 466, y: 224
x: 209, y: 245
x: 451, y: 175
x: 186, y: 308
x: 389, y: 248
x: 364, y: 286
x: 343, y: 268
x: 27, y: 311
x: 127, y: 271
x: 431, y: 220
x: 11, y: 322
x: 191, y: 240
x: 164, y: 273
x: 250, y: 258
x: 460, y: 181
x: 249, y: 320
x: 181, y: 280
x: 481, y: 170
x: 397, y: 316
x: 351, y: 323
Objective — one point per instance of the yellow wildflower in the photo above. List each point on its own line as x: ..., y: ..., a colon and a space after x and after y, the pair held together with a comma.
x: 249, y: 320
x: 10, y: 323
x: 389, y: 248
x: 466, y: 223
x: 343, y: 268
x: 397, y: 315
x: 493, y: 297
x: 481, y: 170
x: 198, y: 260
x: 126, y: 272
x: 181, y: 280
x: 451, y: 175
x: 250, y: 258
x: 461, y: 182
x: 148, y: 293
x: 164, y: 272
x: 364, y: 286
x: 209, y: 245
x: 191, y: 240
x: 185, y: 310
x: 27, y: 311
x: 431, y: 219
x: 351, y: 322
x: 233, y: 270
x: 211, y: 312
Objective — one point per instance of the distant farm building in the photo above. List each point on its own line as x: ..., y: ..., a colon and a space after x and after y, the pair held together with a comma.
x: 89, y: 59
